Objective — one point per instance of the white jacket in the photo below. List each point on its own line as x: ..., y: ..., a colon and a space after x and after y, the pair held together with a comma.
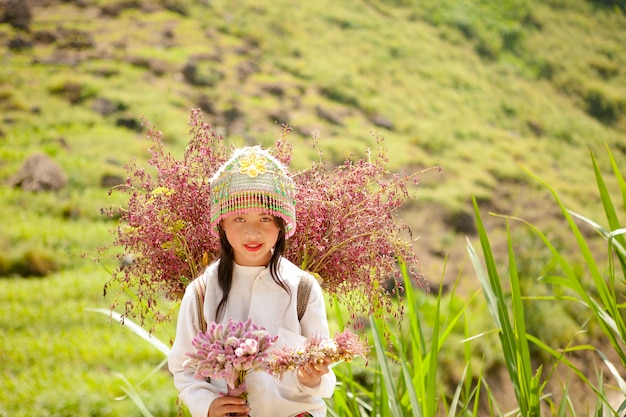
x: 255, y: 295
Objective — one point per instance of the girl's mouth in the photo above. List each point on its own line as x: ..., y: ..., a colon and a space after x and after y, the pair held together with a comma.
x: 253, y: 247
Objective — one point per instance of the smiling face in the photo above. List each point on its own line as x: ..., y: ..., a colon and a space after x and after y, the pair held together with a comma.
x: 252, y: 236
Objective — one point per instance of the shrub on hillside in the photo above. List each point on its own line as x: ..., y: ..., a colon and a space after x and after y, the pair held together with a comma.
x: 604, y: 103
x: 612, y: 3
x: 73, y: 91
x: 17, y: 13
x: 31, y: 262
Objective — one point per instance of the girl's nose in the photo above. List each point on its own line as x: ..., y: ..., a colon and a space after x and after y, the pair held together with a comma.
x: 252, y: 231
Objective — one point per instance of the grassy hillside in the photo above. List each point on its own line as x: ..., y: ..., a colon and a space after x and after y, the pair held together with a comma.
x: 475, y: 89
x: 481, y: 90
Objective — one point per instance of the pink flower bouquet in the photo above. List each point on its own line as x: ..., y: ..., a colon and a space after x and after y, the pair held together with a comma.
x: 230, y: 351
x: 344, y: 346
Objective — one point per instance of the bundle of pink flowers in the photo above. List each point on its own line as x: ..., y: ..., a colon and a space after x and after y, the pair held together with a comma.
x: 348, y: 233
x: 344, y: 346
x: 230, y: 351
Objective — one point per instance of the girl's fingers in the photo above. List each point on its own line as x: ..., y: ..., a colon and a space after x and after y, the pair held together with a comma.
x: 228, y: 406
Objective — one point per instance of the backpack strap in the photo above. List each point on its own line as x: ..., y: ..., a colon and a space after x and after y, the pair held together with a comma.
x: 199, y: 288
x: 304, y: 290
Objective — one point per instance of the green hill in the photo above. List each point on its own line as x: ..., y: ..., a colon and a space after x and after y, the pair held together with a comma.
x: 482, y: 89
x: 475, y: 88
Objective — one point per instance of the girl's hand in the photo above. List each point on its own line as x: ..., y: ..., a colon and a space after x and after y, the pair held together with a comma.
x: 228, y: 406
x: 311, y: 374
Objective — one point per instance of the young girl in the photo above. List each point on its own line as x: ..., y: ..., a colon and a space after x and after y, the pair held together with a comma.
x: 253, y: 213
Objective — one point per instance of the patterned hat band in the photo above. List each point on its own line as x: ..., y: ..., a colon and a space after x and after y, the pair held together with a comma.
x: 251, y: 180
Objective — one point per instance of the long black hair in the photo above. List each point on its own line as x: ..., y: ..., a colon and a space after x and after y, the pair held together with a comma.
x: 227, y: 262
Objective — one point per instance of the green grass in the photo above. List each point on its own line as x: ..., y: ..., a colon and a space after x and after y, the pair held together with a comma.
x: 61, y: 360
x: 443, y: 96
x: 403, y: 378
x: 487, y: 93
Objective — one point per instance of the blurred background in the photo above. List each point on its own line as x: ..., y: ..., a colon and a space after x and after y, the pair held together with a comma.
x: 488, y: 91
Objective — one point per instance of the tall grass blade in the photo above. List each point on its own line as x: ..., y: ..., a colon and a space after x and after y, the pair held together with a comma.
x: 566, y: 403
x: 618, y: 176
x: 416, y: 340
x: 130, y: 391
x: 512, y: 339
x: 456, y: 403
x: 135, y: 328
x: 387, y: 375
x: 609, y: 236
x: 607, y: 203
x: 529, y: 384
x: 614, y: 371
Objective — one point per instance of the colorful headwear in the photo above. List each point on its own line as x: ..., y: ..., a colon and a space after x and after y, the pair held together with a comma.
x: 253, y: 179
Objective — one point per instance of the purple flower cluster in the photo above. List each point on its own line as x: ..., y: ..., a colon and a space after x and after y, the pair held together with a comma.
x: 229, y: 351
x: 348, y: 233
x: 344, y: 346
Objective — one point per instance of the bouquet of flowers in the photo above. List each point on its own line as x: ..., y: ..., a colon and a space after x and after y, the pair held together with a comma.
x: 348, y: 234
x: 230, y: 351
x: 344, y: 346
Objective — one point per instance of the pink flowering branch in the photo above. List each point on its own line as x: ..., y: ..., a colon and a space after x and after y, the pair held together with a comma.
x: 353, y: 239
x: 165, y: 226
x: 348, y: 231
x: 232, y: 350
x: 344, y: 346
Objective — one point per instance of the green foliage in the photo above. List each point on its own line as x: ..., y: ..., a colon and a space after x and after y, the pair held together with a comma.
x: 494, y: 30
x: 612, y: 3
x: 10, y: 100
x: 62, y: 361
x: 49, y: 233
x: 545, y: 320
x: 403, y: 375
x: 604, y: 103
x: 605, y: 307
x: 31, y: 262
x: 512, y: 331
x: 72, y: 90
x: 470, y: 86
x: 601, y: 298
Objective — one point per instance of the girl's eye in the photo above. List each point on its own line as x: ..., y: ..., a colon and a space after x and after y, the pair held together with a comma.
x: 239, y: 220
x: 267, y: 219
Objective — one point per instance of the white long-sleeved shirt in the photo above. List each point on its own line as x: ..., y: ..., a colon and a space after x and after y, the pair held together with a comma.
x: 255, y: 295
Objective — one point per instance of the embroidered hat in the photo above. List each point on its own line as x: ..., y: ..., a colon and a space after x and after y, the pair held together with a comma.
x: 253, y: 179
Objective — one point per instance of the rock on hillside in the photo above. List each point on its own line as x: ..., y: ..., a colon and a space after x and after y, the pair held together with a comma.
x: 17, y: 13
x: 39, y: 173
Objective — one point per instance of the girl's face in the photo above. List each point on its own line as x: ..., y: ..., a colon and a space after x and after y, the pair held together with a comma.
x: 252, y: 236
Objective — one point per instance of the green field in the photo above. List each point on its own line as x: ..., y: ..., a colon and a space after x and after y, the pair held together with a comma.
x: 485, y: 92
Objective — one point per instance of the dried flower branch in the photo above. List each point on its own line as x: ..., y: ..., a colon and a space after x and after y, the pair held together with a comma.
x: 348, y: 232
x: 165, y: 227
x: 351, y: 237
x: 344, y: 346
